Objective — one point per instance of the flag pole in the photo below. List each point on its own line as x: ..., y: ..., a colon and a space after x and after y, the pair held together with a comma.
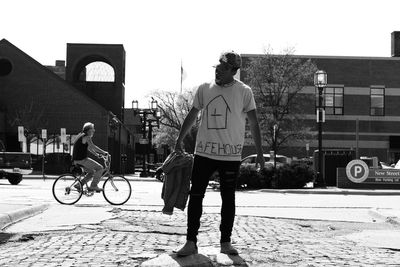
x: 181, y: 74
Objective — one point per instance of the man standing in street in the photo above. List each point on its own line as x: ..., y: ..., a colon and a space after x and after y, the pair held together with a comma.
x: 224, y: 105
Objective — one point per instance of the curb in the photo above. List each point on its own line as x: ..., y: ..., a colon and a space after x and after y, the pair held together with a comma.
x: 389, y: 219
x: 333, y: 192
x: 8, y: 218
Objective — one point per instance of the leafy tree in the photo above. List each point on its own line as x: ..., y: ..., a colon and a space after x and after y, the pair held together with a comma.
x: 276, y: 81
x: 174, y: 109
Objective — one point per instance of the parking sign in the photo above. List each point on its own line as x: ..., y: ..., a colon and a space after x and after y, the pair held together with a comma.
x: 357, y: 171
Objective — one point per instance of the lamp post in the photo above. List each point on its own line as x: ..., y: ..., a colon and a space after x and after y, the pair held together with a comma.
x: 275, y: 129
x: 153, y: 110
x: 44, y: 138
x: 156, y: 119
x: 320, y: 81
x: 114, y: 125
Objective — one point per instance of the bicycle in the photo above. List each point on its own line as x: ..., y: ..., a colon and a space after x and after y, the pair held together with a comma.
x: 68, y: 188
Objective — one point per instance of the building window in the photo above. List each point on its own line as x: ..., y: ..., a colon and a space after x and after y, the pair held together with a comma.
x: 377, y: 101
x: 5, y: 67
x: 332, y: 100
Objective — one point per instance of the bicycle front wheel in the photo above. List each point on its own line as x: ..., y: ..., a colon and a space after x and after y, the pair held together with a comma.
x: 67, y: 189
x: 117, y: 190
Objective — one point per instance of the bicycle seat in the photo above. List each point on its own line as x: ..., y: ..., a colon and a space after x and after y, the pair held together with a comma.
x: 77, y: 169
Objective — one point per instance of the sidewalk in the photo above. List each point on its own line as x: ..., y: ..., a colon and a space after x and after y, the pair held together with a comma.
x: 336, y: 191
x: 12, y: 213
x: 149, y: 238
x: 321, y: 191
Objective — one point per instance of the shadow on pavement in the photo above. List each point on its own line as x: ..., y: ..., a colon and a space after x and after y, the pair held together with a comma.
x: 192, y: 260
x: 4, y: 237
x: 198, y: 260
x: 202, y: 260
x: 92, y: 205
x: 8, y: 184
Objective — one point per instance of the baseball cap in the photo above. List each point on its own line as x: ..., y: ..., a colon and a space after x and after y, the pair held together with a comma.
x: 231, y: 58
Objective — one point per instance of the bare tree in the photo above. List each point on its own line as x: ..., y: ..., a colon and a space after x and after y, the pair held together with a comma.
x: 31, y: 116
x: 174, y: 109
x: 276, y: 81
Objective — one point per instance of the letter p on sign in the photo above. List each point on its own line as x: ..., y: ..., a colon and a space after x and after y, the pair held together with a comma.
x: 357, y: 170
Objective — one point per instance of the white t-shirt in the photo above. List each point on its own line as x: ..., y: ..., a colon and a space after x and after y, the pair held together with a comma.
x: 223, y: 119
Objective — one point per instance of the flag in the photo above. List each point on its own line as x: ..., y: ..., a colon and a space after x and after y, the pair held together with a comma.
x: 183, y: 75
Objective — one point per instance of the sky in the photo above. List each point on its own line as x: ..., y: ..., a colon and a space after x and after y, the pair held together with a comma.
x: 160, y: 34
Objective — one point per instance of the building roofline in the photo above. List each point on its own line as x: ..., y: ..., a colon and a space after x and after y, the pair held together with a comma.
x: 89, y: 44
x: 52, y: 74
x: 329, y: 57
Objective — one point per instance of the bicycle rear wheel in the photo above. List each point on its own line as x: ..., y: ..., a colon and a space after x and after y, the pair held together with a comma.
x: 117, y: 190
x: 67, y: 189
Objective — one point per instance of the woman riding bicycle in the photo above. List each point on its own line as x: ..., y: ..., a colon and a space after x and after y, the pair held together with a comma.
x: 82, y: 145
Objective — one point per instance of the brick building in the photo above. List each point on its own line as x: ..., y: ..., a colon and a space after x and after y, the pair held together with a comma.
x: 363, y: 97
x: 65, y: 103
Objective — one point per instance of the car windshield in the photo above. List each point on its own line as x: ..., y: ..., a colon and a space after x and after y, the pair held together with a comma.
x: 252, y: 159
x: 281, y: 160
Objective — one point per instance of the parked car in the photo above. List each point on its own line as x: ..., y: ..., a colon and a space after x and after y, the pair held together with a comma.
x: 14, y: 164
x: 269, y: 163
x: 308, y: 161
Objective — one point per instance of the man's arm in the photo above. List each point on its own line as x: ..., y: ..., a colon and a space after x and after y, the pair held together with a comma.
x: 256, y: 133
x: 186, y: 126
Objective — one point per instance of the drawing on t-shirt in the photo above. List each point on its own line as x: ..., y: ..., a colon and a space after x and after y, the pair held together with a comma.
x: 217, y: 113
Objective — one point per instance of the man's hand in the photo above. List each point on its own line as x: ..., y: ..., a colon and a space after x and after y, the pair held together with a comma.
x: 260, y: 161
x: 256, y: 133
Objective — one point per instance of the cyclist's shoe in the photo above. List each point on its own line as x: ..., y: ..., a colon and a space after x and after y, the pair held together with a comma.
x: 95, y: 188
x: 78, y: 187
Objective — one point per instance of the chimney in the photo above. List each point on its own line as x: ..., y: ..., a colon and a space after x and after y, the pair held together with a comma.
x: 395, y: 44
x: 60, y: 63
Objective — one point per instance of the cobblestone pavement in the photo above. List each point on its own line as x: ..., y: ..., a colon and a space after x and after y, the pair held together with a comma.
x: 132, y: 237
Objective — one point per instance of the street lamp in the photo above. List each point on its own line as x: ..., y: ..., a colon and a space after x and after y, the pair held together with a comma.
x: 275, y: 129
x: 44, y: 138
x: 158, y: 114
x: 135, y: 105
x: 154, y: 104
x: 153, y: 110
x: 320, y: 81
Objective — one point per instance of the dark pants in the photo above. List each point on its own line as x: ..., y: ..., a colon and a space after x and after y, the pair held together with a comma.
x: 203, y: 168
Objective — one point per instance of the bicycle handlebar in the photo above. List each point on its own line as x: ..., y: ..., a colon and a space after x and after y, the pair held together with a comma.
x: 107, y: 160
x: 105, y: 157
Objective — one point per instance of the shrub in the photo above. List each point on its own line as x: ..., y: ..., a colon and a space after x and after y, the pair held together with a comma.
x: 293, y: 176
x: 296, y: 175
x: 250, y: 178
